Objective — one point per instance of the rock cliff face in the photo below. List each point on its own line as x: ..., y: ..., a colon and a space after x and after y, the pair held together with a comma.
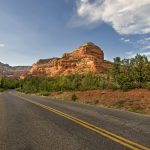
x: 13, y: 72
x: 87, y: 58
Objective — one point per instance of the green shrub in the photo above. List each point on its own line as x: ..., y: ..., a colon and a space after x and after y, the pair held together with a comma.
x: 114, y: 86
x: 2, y: 90
x: 103, y: 85
x: 147, y: 85
x: 59, y: 92
x: 26, y: 92
x: 44, y: 93
x: 74, y: 97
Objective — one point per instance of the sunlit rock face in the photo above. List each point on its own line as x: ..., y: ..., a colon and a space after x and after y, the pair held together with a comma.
x: 86, y: 58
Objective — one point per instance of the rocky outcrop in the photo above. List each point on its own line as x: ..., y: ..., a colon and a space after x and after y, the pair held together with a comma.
x: 13, y: 72
x: 86, y: 58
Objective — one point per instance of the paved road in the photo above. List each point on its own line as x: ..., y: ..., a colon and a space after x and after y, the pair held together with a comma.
x: 34, y: 123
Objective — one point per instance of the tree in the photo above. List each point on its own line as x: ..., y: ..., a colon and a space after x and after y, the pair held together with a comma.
x: 116, y: 69
x: 141, y: 69
x: 131, y: 73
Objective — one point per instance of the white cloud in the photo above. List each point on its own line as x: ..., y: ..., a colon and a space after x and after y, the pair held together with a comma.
x: 125, y: 40
x: 146, y: 54
x: 147, y: 39
x: 2, y: 45
x: 84, y: 1
x: 125, y: 16
x: 147, y: 47
x: 132, y: 54
x: 142, y: 44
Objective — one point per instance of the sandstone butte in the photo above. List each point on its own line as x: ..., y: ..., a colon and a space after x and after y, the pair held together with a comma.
x: 86, y: 58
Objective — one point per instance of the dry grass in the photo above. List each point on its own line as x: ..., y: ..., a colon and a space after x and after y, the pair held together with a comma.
x: 137, y: 100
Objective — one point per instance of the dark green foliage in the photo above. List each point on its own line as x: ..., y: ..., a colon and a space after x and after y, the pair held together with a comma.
x: 76, y: 82
x: 113, y: 86
x: 131, y: 73
x: 90, y: 81
x: 147, y: 85
x: 74, y: 97
x: 7, y: 83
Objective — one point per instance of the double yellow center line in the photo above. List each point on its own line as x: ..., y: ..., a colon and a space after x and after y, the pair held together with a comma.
x: 125, y: 142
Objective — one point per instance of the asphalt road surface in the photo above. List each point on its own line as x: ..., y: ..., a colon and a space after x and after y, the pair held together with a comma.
x: 37, y: 123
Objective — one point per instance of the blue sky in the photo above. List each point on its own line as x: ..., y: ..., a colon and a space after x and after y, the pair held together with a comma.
x: 34, y: 29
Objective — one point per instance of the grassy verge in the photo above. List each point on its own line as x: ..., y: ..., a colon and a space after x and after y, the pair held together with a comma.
x: 2, y: 90
x: 135, y: 100
x: 128, y: 104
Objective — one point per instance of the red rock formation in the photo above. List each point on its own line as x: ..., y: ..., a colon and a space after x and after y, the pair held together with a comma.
x: 87, y: 58
x: 13, y: 72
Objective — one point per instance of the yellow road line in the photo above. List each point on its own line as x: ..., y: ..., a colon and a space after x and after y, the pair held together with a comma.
x: 105, y: 133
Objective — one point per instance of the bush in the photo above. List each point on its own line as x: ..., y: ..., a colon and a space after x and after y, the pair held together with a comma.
x: 44, y: 93
x: 2, y: 90
x: 113, y: 86
x: 147, y: 85
x: 74, y: 97
x: 8, y: 83
x: 60, y: 92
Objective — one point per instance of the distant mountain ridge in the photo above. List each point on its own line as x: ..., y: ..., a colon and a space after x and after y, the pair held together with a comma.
x: 13, y: 71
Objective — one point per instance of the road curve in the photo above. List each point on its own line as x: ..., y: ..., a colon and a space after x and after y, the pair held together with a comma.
x: 36, y: 123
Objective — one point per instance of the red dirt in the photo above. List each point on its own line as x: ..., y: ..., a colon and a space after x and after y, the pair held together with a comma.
x: 137, y: 100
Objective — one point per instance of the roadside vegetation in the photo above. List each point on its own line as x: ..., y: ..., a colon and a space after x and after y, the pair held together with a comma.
x: 125, y: 75
x: 8, y: 83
